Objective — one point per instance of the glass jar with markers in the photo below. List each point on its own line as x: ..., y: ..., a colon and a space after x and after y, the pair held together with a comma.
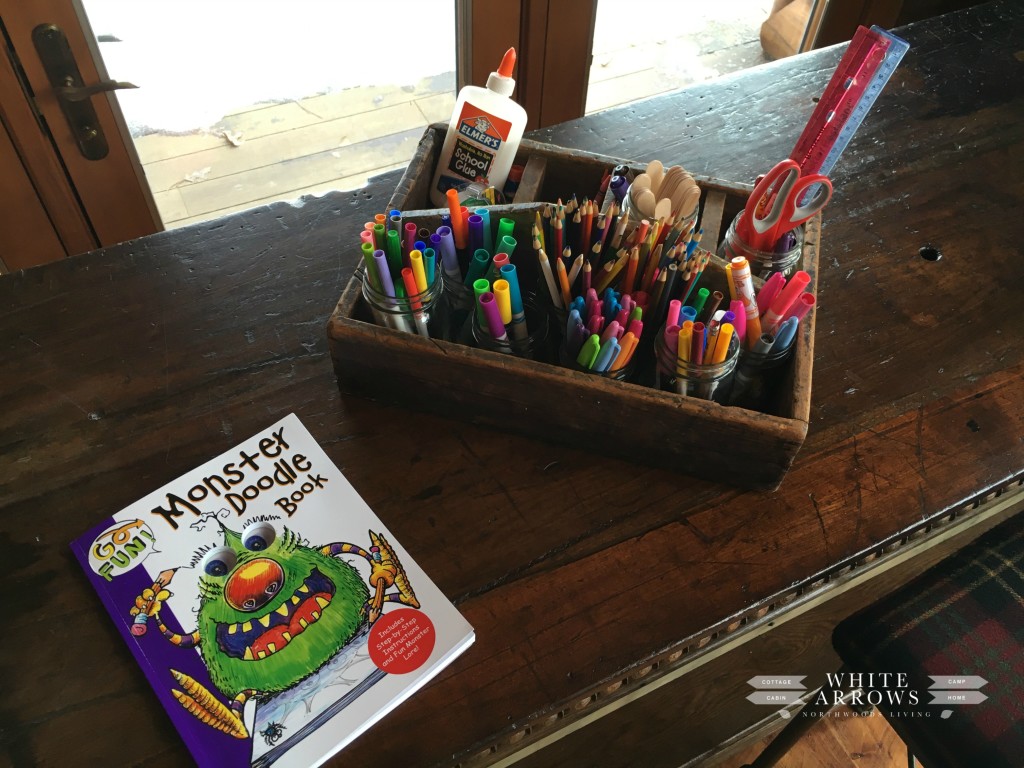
x: 762, y: 370
x: 505, y: 321
x: 406, y: 298
x: 696, y: 360
x: 605, y: 342
x: 770, y: 328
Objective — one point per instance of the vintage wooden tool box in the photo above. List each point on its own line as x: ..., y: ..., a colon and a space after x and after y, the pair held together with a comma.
x: 741, y: 447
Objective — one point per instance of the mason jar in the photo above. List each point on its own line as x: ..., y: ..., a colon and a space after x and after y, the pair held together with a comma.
x: 528, y: 340
x: 424, y: 313
x: 635, y: 216
x: 763, y: 264
x: 567, y: 360
x: 709, y: 381
x: 759, y: 377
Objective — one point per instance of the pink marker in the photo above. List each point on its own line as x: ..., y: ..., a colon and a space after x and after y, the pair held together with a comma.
x: 410, y: 240
x: 674, y: 308
x: 614, y: 329
x: 800, y: 307
x: 786, y: 298
x: 498, y: 262
x: 769, y: 291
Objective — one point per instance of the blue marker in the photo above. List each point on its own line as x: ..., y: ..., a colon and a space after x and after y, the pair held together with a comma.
x: 485, y: 214
x: 515, y: 298
x: 606, y: 356
x: 429, y: 264
x: 785, y: 335
x: 573, y: 321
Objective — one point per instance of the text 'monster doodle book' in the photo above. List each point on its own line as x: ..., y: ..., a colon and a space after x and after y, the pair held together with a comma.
x: 273, y: 613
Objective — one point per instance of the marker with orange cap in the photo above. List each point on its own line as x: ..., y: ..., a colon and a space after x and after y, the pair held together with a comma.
x: 412, y: 291
x: 744, y: 285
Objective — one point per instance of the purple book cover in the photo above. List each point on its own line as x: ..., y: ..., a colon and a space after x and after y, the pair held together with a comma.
x: 264, y: 600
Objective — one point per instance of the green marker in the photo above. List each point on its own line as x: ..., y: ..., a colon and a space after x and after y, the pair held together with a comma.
x: 588, y: 352
x: 378, y: 236
x: 393, y: 250
x: 478, y: 266
x: 702, y: 296
x: 506, y: 244
x: 371, y: 267
x: 479, y: 287
x: 505, y: 229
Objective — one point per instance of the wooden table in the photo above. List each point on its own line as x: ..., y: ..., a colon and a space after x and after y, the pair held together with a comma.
x: 619, y: 611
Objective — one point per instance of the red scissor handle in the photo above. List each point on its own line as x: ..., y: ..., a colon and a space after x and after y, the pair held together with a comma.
x: 777, y: 204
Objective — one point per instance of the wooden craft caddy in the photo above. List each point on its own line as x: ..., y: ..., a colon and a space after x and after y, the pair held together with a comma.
x: 733, y: 445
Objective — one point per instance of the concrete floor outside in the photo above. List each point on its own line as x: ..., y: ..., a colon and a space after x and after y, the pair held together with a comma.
x: 241, y: 103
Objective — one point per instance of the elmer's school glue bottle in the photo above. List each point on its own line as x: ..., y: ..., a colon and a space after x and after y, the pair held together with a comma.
x: 483, y: 135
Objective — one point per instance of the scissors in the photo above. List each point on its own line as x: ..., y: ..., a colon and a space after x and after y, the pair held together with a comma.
x: 777, y: 204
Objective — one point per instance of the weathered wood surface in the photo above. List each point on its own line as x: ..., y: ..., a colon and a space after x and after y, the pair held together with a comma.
x: 126, y: 367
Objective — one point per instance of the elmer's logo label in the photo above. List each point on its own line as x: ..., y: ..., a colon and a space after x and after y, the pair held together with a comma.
x: 484, y: 129
x: 120, y: 548
x: 477, y: 143
x: 480, y: 132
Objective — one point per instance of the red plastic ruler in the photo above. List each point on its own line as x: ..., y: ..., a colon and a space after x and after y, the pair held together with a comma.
x: 863, y: 71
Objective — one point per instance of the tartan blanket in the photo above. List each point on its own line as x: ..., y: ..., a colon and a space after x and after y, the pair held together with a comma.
x: 963, y: 617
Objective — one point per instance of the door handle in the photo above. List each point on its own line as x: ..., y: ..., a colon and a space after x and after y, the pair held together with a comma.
x: 76, y: 93
x: 73, y: 95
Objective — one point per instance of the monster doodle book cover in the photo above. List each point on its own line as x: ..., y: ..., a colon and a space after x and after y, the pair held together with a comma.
x: 273, y: 613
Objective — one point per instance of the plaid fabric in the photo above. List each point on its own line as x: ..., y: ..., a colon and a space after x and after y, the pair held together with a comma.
x: 965, y: 616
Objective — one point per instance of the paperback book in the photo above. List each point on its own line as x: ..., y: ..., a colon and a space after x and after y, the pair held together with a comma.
x: 274, y: 615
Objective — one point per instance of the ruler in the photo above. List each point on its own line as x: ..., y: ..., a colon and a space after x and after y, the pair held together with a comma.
x: 867, y: 65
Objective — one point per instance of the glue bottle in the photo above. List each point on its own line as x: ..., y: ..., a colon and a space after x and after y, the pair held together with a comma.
x: 483, y: 134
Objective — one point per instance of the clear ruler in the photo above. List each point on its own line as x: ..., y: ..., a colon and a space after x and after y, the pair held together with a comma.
x: 862, y: 73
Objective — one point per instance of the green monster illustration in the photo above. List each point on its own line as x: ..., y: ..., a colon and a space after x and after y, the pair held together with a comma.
x: 272, y: 611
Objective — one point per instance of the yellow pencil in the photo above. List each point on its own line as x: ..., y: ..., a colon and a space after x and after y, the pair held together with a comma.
x: 610, y: 271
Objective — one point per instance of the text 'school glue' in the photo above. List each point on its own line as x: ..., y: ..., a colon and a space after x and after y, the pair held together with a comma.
x: 483, y: 135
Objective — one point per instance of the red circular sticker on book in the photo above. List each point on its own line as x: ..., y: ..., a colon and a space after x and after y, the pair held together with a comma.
x: 401, y: 641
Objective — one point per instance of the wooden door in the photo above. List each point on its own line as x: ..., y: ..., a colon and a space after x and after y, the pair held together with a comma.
x: 553, y: 41
x: 88, y: 203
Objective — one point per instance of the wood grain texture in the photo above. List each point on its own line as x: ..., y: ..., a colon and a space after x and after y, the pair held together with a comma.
x: 126, y: 367
x: 843, y: 740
